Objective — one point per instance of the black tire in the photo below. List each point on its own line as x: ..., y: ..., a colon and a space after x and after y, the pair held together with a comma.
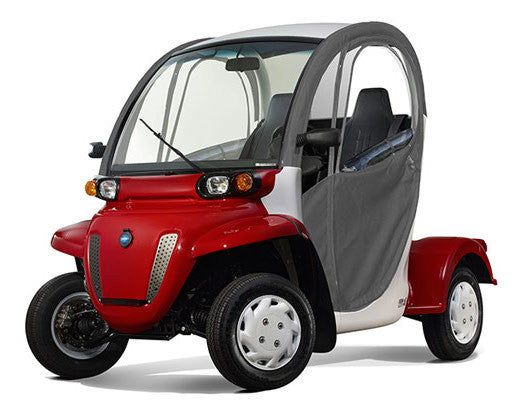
x: 42, y: 344
x: 222, y: 327
x: 438, y: 330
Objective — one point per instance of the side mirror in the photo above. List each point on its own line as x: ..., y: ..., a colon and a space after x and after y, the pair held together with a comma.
x: 325, y: 137
x: 96, y: 150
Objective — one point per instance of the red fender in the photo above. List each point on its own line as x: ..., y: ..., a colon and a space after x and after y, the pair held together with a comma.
x: 70, y: 239
x: 432, y: 262
x: 246, y: 231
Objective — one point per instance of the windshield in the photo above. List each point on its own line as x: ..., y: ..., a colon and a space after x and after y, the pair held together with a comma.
x: 221, y: 107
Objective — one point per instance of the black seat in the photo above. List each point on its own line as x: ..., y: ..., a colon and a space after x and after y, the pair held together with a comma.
x: 259, y: 142
x: 369, y: 125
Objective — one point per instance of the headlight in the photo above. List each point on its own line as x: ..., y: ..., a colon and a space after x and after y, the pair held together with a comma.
x: 108, y: 189
x: 217, y: 185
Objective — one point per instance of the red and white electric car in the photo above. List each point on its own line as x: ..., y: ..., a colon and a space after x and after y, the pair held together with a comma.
x: 256, y: 194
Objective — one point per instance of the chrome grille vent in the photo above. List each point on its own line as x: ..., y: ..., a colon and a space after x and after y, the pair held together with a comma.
x: 94, y: 263
x: 162, y: 259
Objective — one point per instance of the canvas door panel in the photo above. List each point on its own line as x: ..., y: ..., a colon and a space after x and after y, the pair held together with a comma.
x: 360, y: 223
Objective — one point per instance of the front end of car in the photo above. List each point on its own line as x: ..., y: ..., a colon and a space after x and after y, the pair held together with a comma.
x: 141, y: 246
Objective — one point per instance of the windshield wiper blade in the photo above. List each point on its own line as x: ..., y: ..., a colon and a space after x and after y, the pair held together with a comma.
x: 159, y: 136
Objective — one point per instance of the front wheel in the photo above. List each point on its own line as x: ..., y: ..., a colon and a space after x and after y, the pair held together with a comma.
x: 260, y: 332
x: 454, y: 334
x: 66, y: 334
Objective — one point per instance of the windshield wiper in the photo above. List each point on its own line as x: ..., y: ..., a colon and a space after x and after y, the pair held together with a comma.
x: 159, y: 136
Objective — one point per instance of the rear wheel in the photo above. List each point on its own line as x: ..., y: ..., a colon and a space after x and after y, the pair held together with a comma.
x: 66, y: 334
x: 260, y: 332
x: 454, y: 334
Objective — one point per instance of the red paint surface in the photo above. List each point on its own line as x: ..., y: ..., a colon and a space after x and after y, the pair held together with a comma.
x: 70, y: 240
x: 157, y: 205
x: 432, y: 262
x: 243, y: 231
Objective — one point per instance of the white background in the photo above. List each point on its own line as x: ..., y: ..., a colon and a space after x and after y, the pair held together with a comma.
x: 67, y: 68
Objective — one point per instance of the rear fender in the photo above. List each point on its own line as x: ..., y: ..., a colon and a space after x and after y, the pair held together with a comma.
x: 70, y: 240
x: 246, y: 231
x: 432, y: 262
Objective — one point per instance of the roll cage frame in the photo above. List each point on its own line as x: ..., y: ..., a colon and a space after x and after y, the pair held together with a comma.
x: 339, y: 42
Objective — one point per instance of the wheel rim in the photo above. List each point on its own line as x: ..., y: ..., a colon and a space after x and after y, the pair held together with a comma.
x: 268, y: 332
x: 67, y: 335
x: 464, y: 312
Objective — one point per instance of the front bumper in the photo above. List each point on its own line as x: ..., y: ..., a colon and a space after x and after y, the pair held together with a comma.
x: 130, y: 313
x: 133, y: 287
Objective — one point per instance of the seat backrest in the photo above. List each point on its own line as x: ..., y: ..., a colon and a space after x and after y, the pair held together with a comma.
x: 258, y: 144
x: 369, y: 124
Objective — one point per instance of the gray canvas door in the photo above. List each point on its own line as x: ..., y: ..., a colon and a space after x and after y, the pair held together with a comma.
x: 360, y: 215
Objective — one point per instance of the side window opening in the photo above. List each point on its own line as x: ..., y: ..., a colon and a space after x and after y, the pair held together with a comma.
x: 377, y: 110
x: 326, y: 112
x: 371, y: 105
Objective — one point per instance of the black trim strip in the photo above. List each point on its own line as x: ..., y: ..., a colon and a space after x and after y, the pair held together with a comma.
x: 246, y: 40
x: 177, y: 167
x: 123, y: 302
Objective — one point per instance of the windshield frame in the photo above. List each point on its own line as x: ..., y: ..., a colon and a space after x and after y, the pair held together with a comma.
x: 107, y: 167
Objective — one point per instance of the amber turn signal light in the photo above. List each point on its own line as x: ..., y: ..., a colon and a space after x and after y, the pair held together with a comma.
x: 90, y: 188
x: 243, y: 182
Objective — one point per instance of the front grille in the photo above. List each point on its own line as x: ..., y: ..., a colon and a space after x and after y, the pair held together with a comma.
x: 94, y: 263
x: 160, y: 264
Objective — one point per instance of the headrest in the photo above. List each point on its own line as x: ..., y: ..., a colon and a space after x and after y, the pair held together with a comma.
x: 278, y: 109
x: 260, y: 145
x: 369, y: 123
x: 373, y: 106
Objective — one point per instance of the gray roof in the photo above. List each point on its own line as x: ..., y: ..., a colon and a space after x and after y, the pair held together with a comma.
x: 314, y: 30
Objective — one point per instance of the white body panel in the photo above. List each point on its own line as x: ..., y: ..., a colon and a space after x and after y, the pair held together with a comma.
x: 286, y: 195
x: 387, y: 309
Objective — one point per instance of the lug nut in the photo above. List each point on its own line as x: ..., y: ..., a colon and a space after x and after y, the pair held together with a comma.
x: 265, y: 322
x: 469, y: 304
x: 470, y: 318
x: 276, y: 343
x: 464, y: 321
x: 463, y: 306
x: 280, y: 326
x: 261, y: 339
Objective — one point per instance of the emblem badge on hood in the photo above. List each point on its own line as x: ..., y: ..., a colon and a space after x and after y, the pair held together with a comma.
x: 126, y: 238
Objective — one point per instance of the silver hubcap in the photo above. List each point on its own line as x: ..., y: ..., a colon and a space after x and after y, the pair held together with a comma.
x: 464, y: 312
x: 268, y: 332
x: 63, y: 325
